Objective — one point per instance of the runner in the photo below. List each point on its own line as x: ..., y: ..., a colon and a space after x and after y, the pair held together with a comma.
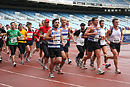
x: 64, y: 46
x: 93, y: 36
x: 80, y: 43
x: 29, y: 41
x: 68, y: 41
x: 22, y: 41
x: 54, y: 36
x: 13, y: 36
x: 85, y: 44
x: 44, y: 43
x: 37, y: 40
x: 115, y: 40
x: 7, y: 39
x: 103, y: 46
x: 2, y: 33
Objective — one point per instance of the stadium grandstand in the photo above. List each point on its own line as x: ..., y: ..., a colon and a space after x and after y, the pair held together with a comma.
x: 76, y: 11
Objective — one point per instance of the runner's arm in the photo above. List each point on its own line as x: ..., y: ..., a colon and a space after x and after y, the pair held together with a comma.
x: 107, y: 34
x: 47, y: 36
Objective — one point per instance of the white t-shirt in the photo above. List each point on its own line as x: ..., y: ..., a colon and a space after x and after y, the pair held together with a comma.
x: 80, y: 40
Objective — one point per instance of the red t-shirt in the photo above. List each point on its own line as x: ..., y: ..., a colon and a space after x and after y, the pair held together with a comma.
x: 43, y: 30
x: 30, y: 34
x: 35, y: 32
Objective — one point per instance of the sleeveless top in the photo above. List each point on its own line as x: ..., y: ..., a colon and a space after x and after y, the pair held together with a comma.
x: 55, y: 43
x: 64, y: 34
x: 115, y: 37
x: 94, y: 38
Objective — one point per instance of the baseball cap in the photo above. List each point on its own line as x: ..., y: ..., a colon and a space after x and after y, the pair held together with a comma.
x: 46, y: 20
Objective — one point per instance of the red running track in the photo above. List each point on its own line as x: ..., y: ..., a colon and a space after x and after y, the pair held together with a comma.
x: 31, y: 74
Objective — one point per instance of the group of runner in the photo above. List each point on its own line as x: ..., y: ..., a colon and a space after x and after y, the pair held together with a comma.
x: 55, y: 41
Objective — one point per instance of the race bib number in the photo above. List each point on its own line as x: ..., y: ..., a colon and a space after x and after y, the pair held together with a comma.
x: 22, y: 37
x: 116, y: 40
x: 96, y: 38
x: 13, y: 39
x: 30, y: 35
x: 56, y: 40
x: 65, y: 39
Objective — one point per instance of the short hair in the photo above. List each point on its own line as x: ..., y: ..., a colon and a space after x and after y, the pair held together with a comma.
x: 20, y: 24
x: 101, y: 21
x: 12, y: 23
x: 29, y: 23
x: 93, y: 19
x: 89, y: 21
x: 114, y: 20
x: 54, y: 20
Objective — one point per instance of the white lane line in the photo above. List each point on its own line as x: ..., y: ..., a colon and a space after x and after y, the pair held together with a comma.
x: 86, y: 76
x: 5, y: 85
x: 34, y: 77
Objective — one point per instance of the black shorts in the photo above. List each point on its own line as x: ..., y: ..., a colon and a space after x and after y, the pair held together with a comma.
x: 1, y: 43
x: 30, y: 42
x: 13, y: 49
x: 21, y: 47
x: 37, y: 44
x: 65, y: 48
x: 54, y: 52
x: 68, y: 43
x: 115, y: 46
x: 101, y: 46
x: 92, y: 46
x: 44, y: 47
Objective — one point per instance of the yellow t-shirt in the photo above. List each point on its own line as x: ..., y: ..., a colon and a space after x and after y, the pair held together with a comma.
x: 24, y: 34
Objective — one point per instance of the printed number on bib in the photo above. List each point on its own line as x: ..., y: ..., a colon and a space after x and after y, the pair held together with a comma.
x: 65, y: 39
x: 13, y: 39
x: 22, y: 37
x: 30, y: 35
x: 56, y: 40
x: 116, y: 40
x: 82, y: 41
x: 96, y: 38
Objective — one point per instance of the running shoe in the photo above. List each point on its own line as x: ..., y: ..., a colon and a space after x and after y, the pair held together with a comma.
x: 0, y: 59
x: 9, y: 58
x: 51, y: 75
x: 69, y: 61
x: 100, y: 72
x: 60, y: 71
x: 41, y: 61
x: 84, y: 66
x: 34, y: 50
x: 14, y: 64
x: 107, y: 65
x: 22, y: 62
x: 25, y: 55
x: 27, y: 59
x: 118, y: 71
x: 7, y: 52
x: 4, y: 48
x: 45, y: 67
x: 80, y: 63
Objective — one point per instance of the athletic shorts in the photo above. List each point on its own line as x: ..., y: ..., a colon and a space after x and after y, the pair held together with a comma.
x: 93, y: 46
x: 68, y: 43
x: 54, y: 52
x: 21, y: 47
x: 1, y: 43
x: 101, y: 46
x: 65, y: 48
x: 37, y: 44
x: 13, y: 49
x: 30, y: 42
x: 44, y: 47
x: 115, y: 46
